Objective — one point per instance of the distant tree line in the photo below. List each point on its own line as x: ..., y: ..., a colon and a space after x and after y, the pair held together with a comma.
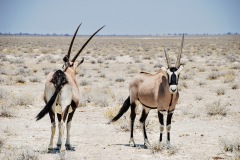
x: 54, y: 34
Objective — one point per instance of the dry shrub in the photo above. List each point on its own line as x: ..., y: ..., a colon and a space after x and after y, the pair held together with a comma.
x: 23, y: 100
x: 35, y: 79
x: 20, y: 79
x: 156, y: 148
x: 1, y: 143
x: 220, y: 91
x: 6, y: 111
x: 235, y: 86
x: 216, y: 108
x: 100, y: 96
x: 160, y: 148
x: 112, y: 112
x: 213, y: 76
x: 6, y: 80
x: 25, y: 153
x: 85, y: 82
x: 230, y: 145
x: 198, y: 97
x: 119, y: 79
x: 228, y: 78
x: 171, y: 150
x: 201, y: 83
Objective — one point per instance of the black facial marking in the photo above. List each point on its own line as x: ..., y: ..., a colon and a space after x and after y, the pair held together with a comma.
x: 173, y: 78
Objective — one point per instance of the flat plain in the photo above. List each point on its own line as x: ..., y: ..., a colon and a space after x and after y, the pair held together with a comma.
x: 205, y: 124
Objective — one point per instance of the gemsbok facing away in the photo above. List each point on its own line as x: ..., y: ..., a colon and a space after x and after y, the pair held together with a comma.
x: 61, y: 96
x: 154, y: 91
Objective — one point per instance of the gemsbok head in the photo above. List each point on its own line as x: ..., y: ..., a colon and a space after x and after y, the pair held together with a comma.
x: 61, y: 95
x: 154, y: 91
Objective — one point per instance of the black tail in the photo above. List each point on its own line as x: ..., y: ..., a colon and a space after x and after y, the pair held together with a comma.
x: 124, y: 109
x: 59, y: 80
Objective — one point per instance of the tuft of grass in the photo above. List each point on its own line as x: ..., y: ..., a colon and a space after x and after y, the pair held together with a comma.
x: 6, y: 112
x: 216, y: 109
x: 171, y: 150
x: 156, y: 148
x: 84, y: 82
x: 235, y: 86
x: 120, y: 79
x: 230, y: 145
x: 35, y: 79
x: 1, y: 143
x: 99, y: 96
x: 198, y: 97
x: 220, y: 91
x: 213, y: 76
x: 228, y: 78
x: 111, y: 112
x: 20, y: 79
x: 28, y: 154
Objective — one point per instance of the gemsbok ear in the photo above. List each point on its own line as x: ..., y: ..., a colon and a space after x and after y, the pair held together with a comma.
x: 180, y: 69
x: 80, y: 63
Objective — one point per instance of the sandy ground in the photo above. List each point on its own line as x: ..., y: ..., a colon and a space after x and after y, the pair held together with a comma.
x: 195, y: 134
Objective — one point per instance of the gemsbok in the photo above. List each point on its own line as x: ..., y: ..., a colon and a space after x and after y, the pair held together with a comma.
x: 61, y: 95
x: 154, y: 91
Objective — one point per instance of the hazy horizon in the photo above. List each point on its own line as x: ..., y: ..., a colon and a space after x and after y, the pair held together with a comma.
x: 120, y: 17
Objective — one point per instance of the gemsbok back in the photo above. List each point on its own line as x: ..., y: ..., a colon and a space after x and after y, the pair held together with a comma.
x: 154, y: 91
x: 61, y: 95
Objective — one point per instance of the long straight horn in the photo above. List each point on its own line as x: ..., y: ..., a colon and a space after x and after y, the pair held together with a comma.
x: 70, y: 47
x: 73, y: 60
x: 179, y: 54
x: 167, y: 58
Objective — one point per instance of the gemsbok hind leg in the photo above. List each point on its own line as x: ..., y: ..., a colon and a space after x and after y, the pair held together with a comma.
x: 53, y: 130
x: 61, y: 129
x: 143, y: 118
x: 69, y: 121
x: 168, y: 126
x: 132, y: 117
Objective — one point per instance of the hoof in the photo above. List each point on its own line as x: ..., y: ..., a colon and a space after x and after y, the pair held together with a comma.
x: 51, y: 150
x: 69, y: 147
x: 146, y: 144
x: 132, y: 143
x: 168, y: 145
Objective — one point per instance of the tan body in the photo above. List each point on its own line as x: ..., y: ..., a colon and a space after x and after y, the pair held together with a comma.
x: 152, y: 90
x: 69, y: 92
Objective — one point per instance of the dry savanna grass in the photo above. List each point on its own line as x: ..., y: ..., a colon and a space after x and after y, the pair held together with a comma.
x: 208, y: 107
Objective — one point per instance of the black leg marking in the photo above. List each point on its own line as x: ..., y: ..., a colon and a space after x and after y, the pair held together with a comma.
x: 161, y: 121
x: 65, y: 113
x: 132, y: 116
x: 169, y: 119
x: 70, y: 116
x: 142, y: 120
x: 52, y: 116
x: 59, y: 116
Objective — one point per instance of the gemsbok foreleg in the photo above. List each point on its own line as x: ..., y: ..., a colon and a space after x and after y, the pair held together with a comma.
x: 161, y: 121
x: 143, y: 118
x: 132, y: 117
x: 168, y: 126
x: 69, y: 121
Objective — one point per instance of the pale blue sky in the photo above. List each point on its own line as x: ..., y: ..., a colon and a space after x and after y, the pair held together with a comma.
x: 120, y: 16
